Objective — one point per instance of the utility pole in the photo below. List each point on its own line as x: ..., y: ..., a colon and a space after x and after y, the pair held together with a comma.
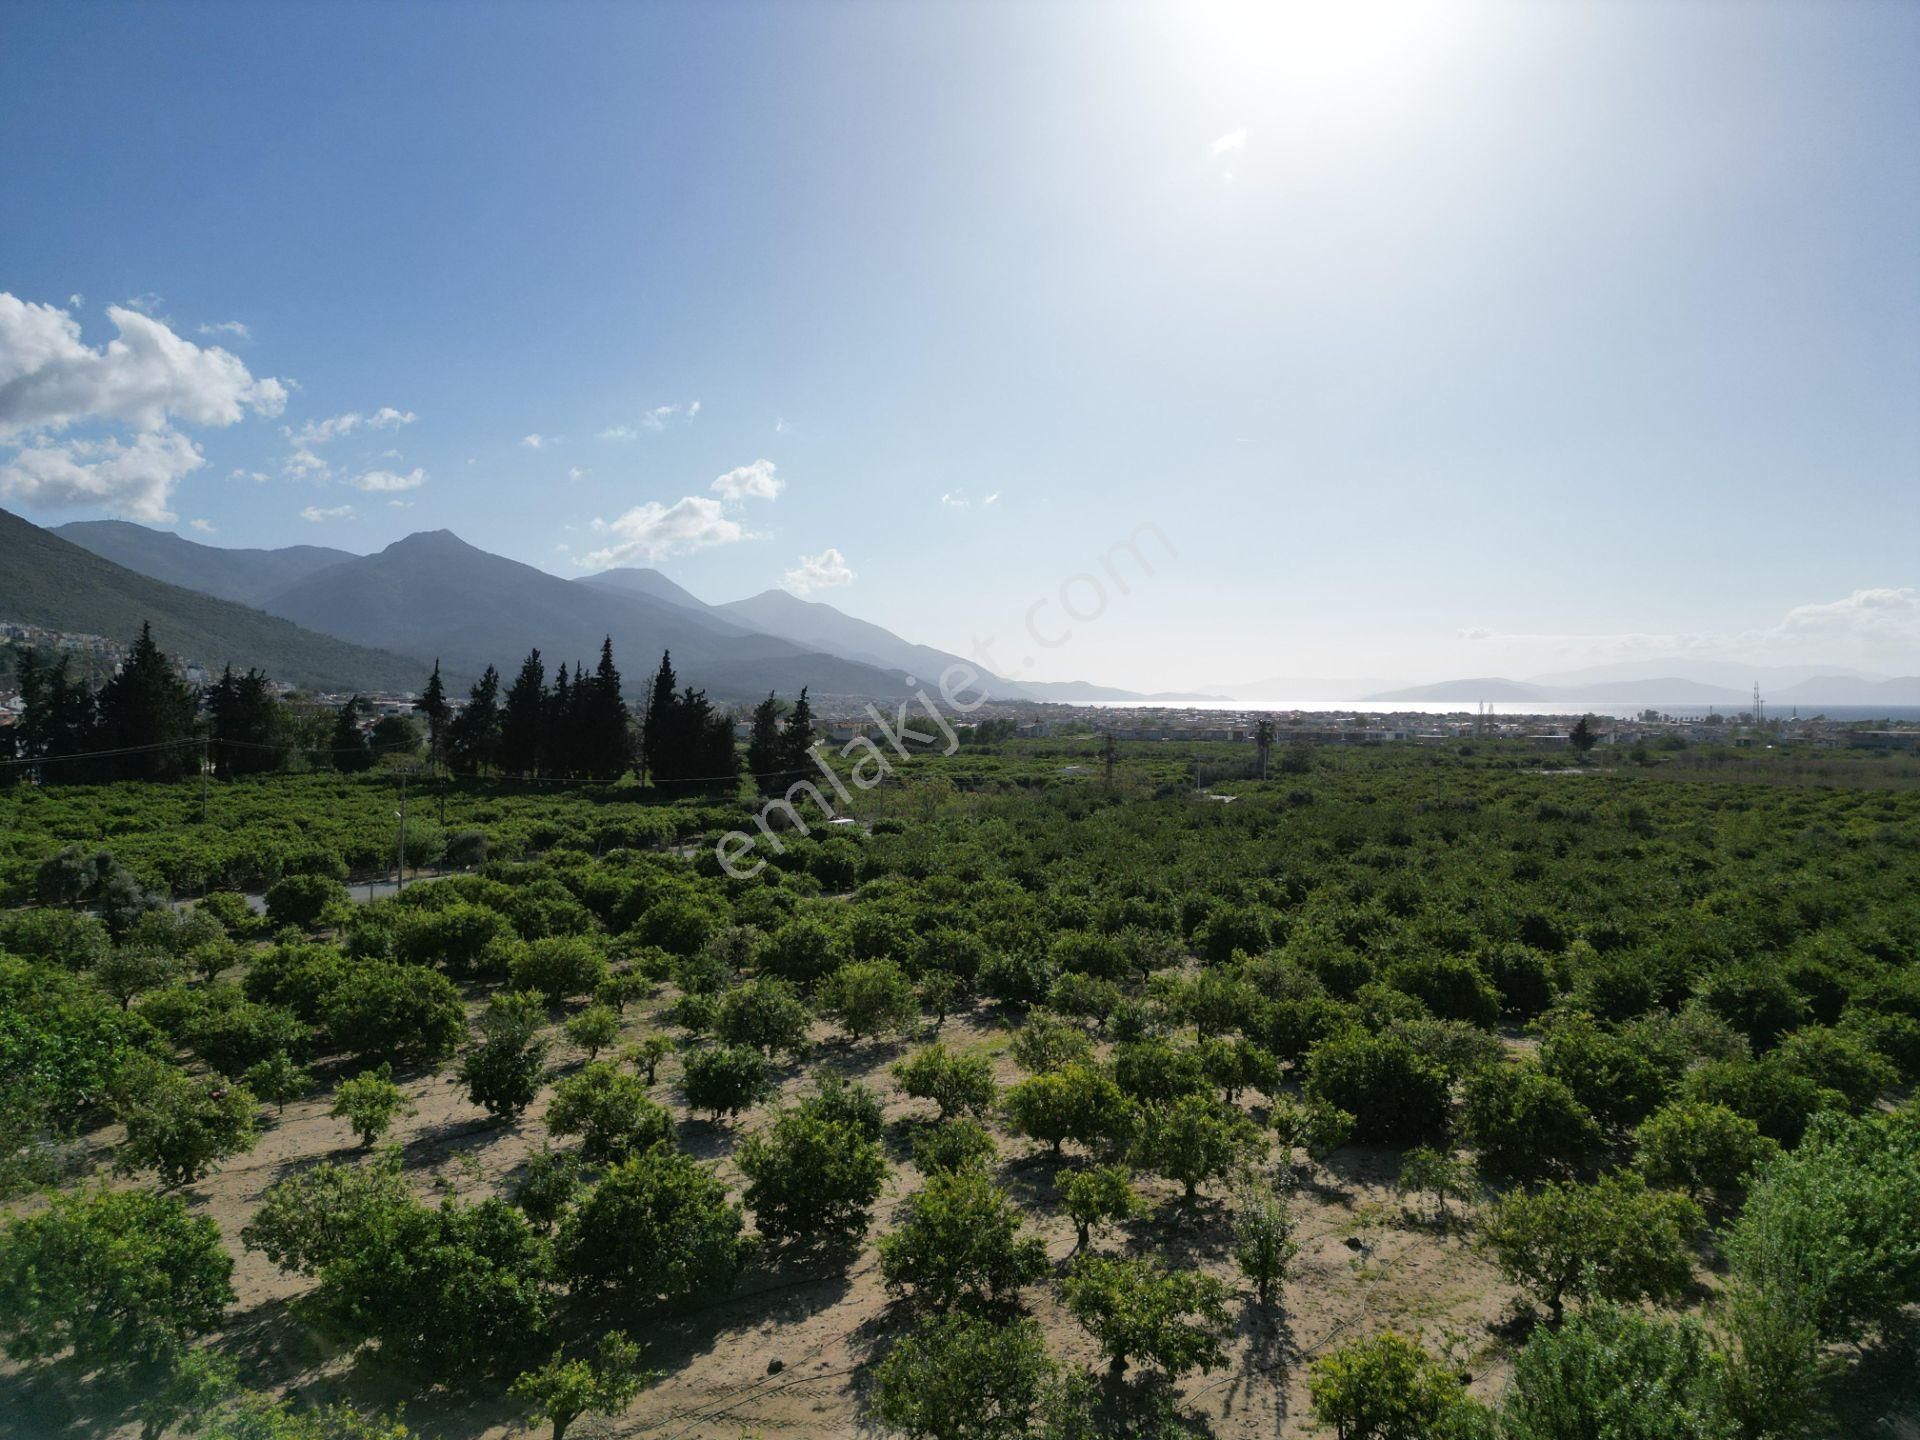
x: 1263, y: 738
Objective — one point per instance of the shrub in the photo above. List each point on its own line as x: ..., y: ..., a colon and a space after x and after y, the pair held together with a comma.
x: 1391, y: 1092
x: 303, y: 900
x: 1451, y: 986
x: 811, y: 1179
x: 766, y: 1013
x: 1263, y: 1243
x: 870, y: 997
x: 1613, y: 1240
x: 1046, y: 1042
x: 965, y: 1377
x: 1385, y: 1387
x: 119, y: 1278
x: 952, y: 1144
x: 960, y: 1242
x: 1197, y: 1138
x: 1078, y: 1103
x: 399, y: 1013
x: 1837, y: 1060
x: 657, y: 1228
x: 560, y: 967
x: 1097, y: 1196
x: 455, y: 937
x: 1525, y: 1123
x: 960, y: 1084
x: 370, y: 1104
x: 179, y: 1126
x: 1137, y: 1310
x: 1617, y: 1078
x: 593, y: 1029
x: 232, y: 1037
x: 725, y: 1079
x: 562, y: 1390
x: 1610, y: 1372
x: 803, y: 951
x: 1704, y: 1150
x: 610, y: 1112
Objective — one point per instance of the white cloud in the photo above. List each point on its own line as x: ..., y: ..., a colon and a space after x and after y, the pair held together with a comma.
x: 50, y: 379
x: 750, y: 482
x: 824, y: 571
x: 653, y: 531
x: 384, y: 481
x: 205, y: 527
x: 780, y: 426
x: 955, y: 500
x: 314, y: 515
x: 1234, y: 142
x: 656, y: 420
x: 400, y: 504
x: 146, y: 304
x: 574, y: 472
x: 240, y: 472
x: 76, y: 300
x: 303, y: 464
x: 228, y: 327
x: 533, y: 441
x: 134, y: 480
x: 319, y: 432
x: 993, y: 499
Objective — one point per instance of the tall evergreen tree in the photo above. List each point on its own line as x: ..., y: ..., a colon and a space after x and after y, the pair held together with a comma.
x: 659, y: 720
x: 433, y: 705
x: 247, y: 724
x: 558, y: 737
x: 604, y: 749
x: 147, y: 705
x: 797, y: 738
x: 522, y: 718
x: 766, y: 760
x: 473, y: 736
x: 351, y: 753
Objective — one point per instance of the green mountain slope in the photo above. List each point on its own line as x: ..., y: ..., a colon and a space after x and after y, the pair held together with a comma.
x: 53, y: 583
x: 248, y: 577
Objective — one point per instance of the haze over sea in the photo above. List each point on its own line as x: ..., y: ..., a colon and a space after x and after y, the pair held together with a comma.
x: 1842, y: 713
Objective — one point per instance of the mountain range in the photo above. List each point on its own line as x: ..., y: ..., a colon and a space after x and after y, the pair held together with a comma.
x: 55, y: 584
x: 432, y: 596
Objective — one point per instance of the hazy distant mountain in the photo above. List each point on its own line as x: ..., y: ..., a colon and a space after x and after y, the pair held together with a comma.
x: 1466, y: 691
x: 637, y: 581
x: 53, y: 583
x: 1847, y: 690
x: 1733, y: 674
x: 248, y: 576
x: 433, y: 595
x: 1293, y: 687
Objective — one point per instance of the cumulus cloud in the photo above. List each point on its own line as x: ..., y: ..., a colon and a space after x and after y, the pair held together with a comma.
x: 315, y: 515
x: 385, y: 481
x: 205, y: 527
x: 145, y: 378
x: 533, y: 441
x: 319, y: 432
x: 652, y: 532
x: 824, y: 571
x: 750, y: 482
x: 131, y: 479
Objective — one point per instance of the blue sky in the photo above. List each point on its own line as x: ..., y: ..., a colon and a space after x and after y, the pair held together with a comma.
x: 1434, y: 340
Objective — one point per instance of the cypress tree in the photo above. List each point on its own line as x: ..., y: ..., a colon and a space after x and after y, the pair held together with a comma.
x: 351, y: 752
x: 521, y: 718
x: 765, y: 757
x: 473, y: 737
x: 146, y: 704
x: 659, y: 720
x: 605, y: 744
x: 433, y: 704
x: 797, y: 739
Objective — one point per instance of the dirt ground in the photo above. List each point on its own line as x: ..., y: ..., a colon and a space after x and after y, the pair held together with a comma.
x: 1366, y: 1262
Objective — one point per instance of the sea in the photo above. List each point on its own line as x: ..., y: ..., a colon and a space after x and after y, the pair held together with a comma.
x: 1840, y: 714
